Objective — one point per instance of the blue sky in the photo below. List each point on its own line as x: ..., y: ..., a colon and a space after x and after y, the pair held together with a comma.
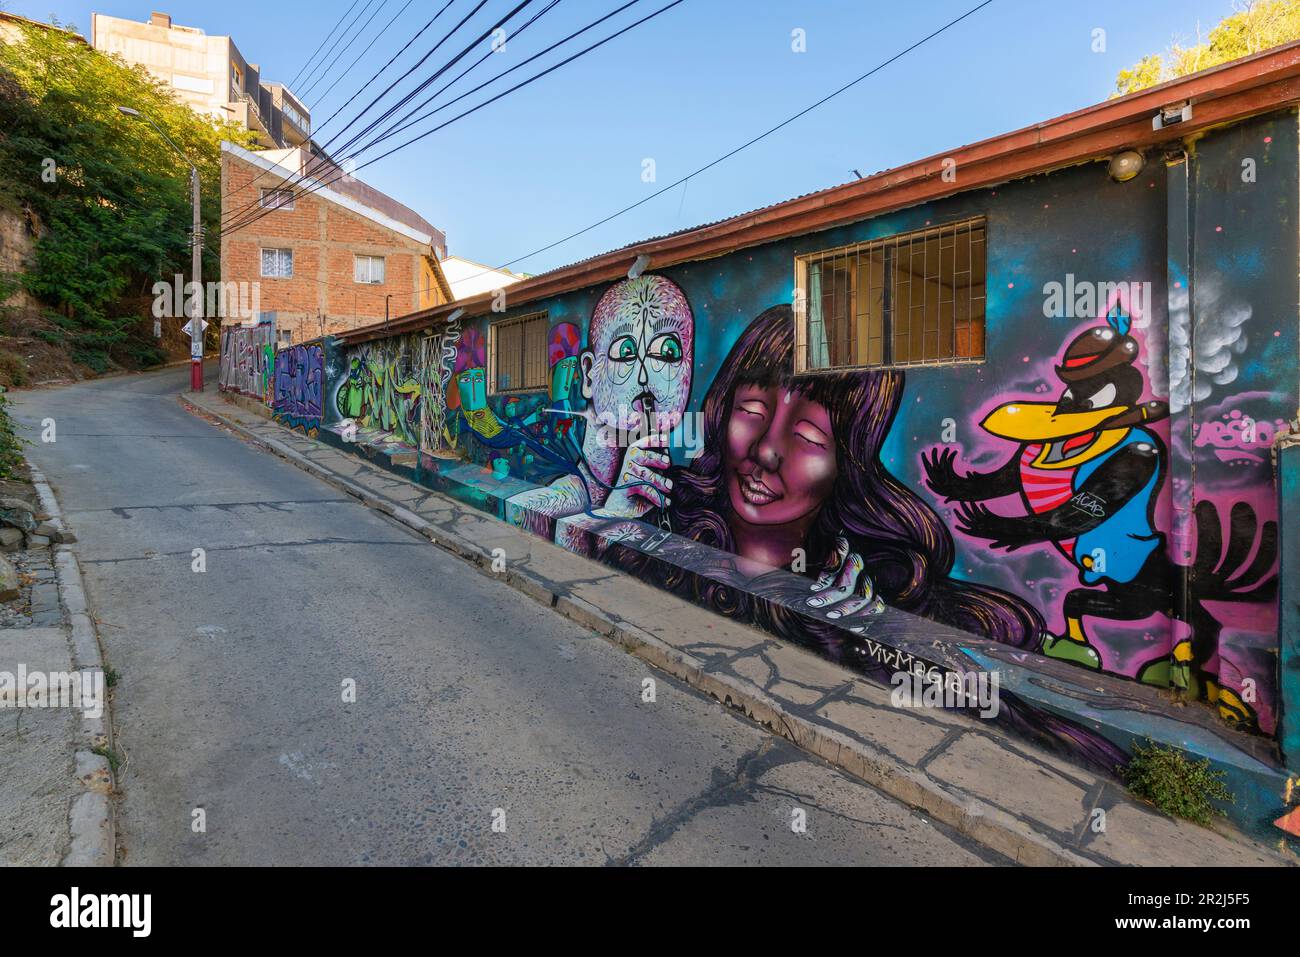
x: 683, y: 89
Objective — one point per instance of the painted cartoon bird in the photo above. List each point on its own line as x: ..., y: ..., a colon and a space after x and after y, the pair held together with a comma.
x: 1088, y: 472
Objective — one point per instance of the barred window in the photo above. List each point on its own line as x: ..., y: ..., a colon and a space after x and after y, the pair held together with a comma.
x: 912, y: 299
x: 368, y: 269
x: 277, y: 263
x: 278, y: 198
x: 518, y: 353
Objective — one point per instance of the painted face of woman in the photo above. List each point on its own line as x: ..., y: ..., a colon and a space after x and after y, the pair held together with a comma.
x: 780, y: 455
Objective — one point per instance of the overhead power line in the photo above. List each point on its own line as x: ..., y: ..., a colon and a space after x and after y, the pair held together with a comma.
x: 344, y: 49
x: 321, y: 184
x: 391, y: 60
x: 228, y: 216
x: 766, y: 133
x: 407, y: 124
x: 240, y: 217
x: 348, y: 70
x: 337, y: 40
x: 322, y: 44
x: 427, y: 81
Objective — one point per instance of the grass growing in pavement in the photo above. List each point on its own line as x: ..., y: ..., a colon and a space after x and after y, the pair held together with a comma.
x: 1175, y: 785
x: 109, y: 755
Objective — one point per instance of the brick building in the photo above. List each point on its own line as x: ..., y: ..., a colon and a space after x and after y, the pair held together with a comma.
x: 325, y: 260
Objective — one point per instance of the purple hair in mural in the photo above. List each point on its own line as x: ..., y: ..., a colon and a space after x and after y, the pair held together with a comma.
x: 471, y: 350
x: 864, y: 528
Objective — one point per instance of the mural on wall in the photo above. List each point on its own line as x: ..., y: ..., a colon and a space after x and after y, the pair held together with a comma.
x: 633, y: 379
x: 247, y: 360
x: 381, y: 388
x: 298, y: 388
x: 1087, y: 469
x: 790, y: 476
x: 1106, y: 498
x: 439, y: 356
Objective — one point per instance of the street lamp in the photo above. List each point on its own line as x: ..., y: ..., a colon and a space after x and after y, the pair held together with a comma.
x: 196, y: 244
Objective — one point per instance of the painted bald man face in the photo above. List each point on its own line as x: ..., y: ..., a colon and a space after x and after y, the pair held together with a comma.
x: 640, y: 347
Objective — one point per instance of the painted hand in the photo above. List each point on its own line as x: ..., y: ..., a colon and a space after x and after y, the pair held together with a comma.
x: 845, y: 587
x: 940, y: 473
x: 1003, y: 531
x: 641, y: 484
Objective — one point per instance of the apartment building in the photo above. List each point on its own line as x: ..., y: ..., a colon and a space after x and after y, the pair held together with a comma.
x: 209, y: 74
x: 329, y: 254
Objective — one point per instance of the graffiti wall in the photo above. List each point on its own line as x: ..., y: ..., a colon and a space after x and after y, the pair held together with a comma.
x: 247, y: 360
x: 382, y: 386
x: 298, y: 386
x: 1089, y: 480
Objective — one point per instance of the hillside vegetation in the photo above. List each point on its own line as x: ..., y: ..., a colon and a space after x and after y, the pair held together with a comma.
x: 106, y: 202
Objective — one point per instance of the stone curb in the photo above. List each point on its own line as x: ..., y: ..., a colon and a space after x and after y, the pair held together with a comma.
x: 90, y: 816
x: 986, y: 825
x: 50, y: 505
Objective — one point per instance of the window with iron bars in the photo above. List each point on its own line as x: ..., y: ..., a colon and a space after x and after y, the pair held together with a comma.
x: 912, y: 299
x: 518, y: 353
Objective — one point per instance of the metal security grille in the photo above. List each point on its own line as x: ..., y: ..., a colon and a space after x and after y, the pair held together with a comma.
x: 519, y: 357
x: 912, y: 299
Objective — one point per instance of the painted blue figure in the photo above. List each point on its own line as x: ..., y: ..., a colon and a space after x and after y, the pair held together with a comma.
x: 501, y: 434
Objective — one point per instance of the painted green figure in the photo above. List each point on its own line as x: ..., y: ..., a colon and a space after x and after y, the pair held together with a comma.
x: 349, y: 398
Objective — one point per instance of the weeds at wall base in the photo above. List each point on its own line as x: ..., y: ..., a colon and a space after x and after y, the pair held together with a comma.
x: 1175, y: 785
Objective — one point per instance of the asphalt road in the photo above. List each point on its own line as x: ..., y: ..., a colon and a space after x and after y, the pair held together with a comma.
x: 472, y: 703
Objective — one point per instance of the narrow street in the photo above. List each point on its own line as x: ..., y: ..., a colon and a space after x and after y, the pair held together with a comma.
x: 468, y: 697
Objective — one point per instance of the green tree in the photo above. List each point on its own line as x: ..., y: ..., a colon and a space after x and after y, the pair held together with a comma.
x: 1256, y: 25
x: 112, y: 197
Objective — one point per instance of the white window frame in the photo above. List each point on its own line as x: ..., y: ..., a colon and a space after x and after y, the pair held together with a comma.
x: 282, y: 255
x: 358, y: 259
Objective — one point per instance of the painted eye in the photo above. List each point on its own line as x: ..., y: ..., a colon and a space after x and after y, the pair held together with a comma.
x: 666, y: 348
x: 752, y: 407
x: 811, y: 435
x: 1102, y: 397
x: 623, y: 350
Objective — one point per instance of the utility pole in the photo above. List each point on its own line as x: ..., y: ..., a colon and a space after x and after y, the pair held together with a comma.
x: 196, y: 317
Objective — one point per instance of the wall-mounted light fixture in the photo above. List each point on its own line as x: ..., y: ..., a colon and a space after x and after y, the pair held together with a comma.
x: 638, y: 266
x: 455, y: 314
x: 1124, y: 166
x: 1171, y: 115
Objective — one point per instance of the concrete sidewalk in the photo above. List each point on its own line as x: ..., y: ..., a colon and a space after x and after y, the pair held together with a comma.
x: 55, y: 778
x: 1027, y: 804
